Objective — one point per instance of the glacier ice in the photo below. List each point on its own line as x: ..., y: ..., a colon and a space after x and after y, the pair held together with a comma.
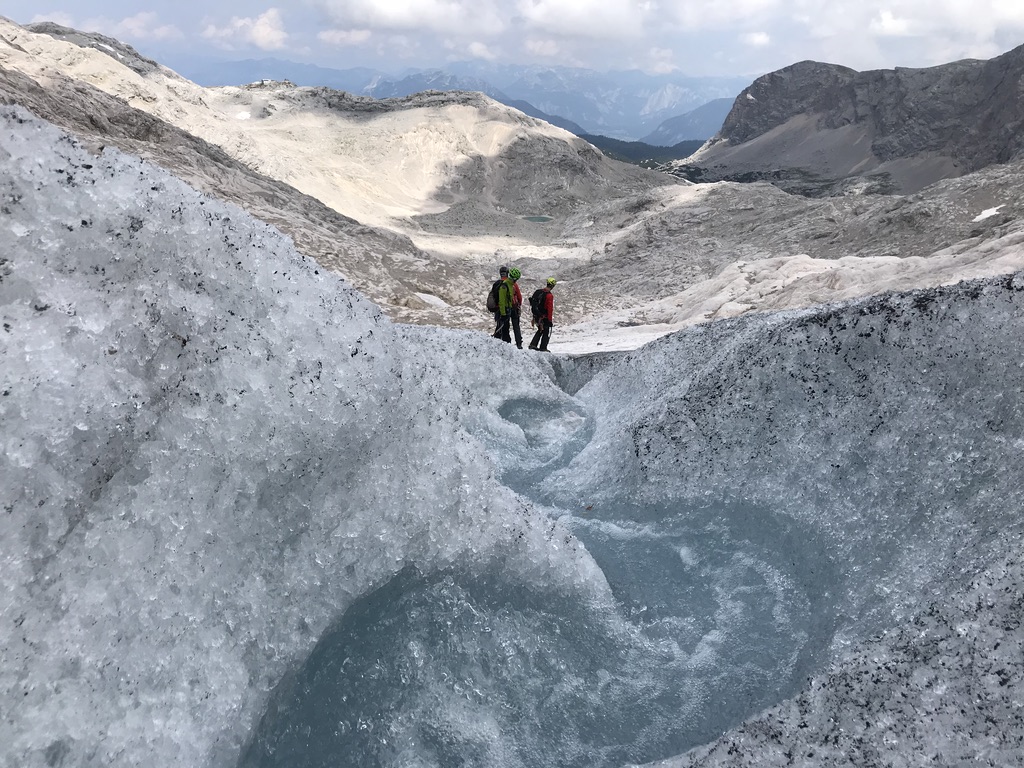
x: 888, y: 431
x: 210, y: 449
x: 247, y: 520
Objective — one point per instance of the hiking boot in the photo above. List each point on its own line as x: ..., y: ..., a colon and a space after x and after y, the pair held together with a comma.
x: 543, y: 349
x: 519, y: 346
x: 533, y: 347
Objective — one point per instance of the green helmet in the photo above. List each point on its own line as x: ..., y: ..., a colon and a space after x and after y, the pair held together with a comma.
x: 551, y: 282
x: 514, y: 273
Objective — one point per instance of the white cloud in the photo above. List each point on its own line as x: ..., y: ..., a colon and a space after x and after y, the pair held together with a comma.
x: 610, y: 19
x: 141, y: 26
x: 1008, y: 12
x: 266, y: 32
x: 344, y: 37
x: 658, y: 61
x: 56, y: 17
x: 449, y: 17
x: 480, y: 51
x: 399, y: 47
x: 933, y: 19
x: 887, y: 25
x: 756, y: 39
x: 875, y: 34
x: 146, y: 26
x: 701, y: 14
x: 543, y: 47
x: 709, y: 37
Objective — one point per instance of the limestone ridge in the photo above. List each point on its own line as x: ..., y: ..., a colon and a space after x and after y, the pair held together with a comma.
x: 343, y: 101
x: 120, y: 52
x: 517, y: 181
x: 811, y: 125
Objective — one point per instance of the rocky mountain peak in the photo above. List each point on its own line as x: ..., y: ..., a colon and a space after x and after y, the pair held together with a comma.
x: 774, y: 98
x: 914, y: 126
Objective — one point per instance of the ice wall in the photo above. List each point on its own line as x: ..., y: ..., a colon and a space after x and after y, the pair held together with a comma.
x: 210, y: 449
x: 891, y: 431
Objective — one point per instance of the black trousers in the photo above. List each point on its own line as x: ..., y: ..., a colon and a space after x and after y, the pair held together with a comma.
x: 540, y: 338
x: 502, y: 326
x: 516, y: 329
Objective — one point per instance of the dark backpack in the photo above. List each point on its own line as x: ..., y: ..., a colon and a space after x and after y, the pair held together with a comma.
x: 537, y: 302
x: 492, y: 297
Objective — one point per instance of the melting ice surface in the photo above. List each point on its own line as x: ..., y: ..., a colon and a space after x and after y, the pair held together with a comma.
x: 712, y: 619
x: 247, y: 521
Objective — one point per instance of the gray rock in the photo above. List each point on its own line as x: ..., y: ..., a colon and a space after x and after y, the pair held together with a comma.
x: 122, y: 52
x: 810, y: 126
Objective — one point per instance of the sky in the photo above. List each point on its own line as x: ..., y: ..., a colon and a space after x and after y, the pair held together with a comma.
x: 688, y: 37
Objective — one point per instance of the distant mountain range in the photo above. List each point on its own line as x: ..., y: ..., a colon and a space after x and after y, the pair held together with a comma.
x: 698, y: 125
x: 624, y: 105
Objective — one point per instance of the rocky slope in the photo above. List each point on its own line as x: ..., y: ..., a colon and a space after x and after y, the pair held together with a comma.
x: 418, y: 199
x: 811, y: 125
x: 415, y: 199
x: 684, y: 255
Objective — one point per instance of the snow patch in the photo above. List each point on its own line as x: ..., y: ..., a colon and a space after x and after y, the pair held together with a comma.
x: 432, y: 300
x: 108, y: 48
x: 988, y: 212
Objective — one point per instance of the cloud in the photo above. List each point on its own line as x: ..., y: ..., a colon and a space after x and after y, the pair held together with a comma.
x: 344, y: 37
x: 888, y: 25
x: 57, y: 18
x: 141, y: 26
x: 660, y: 61
x: 399, y: 47
x: 545, y: 48
x: 935, y: 20
x: 706, y: 37
x: 608, y: 20
x: 703, y: 14
x: 480, y: 51
x: 146, y: 26
x: 1008, y: 12
x: 457, y: 18
x: 265, y: 32
x: 875, y: 34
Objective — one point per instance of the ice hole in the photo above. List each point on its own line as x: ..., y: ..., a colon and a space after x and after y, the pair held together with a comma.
x: 711, y: 623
